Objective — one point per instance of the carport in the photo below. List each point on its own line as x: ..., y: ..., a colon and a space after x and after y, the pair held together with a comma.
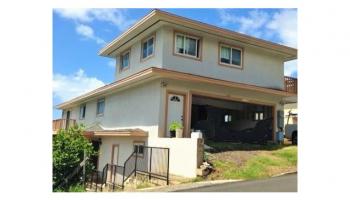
x: 232, y: 120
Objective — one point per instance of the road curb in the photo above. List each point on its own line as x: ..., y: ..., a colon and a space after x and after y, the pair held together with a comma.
x: 185, y: 186
x: 180, y: 187
x: 285, y: 173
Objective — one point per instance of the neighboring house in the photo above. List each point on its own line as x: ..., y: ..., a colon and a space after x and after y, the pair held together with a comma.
x: 228, y: 85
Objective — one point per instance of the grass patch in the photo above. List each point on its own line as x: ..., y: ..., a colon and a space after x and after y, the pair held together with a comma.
x: 144, y: 185
x: 289, y: 153
x: 73, y: 188
x: 227, y: 146
x: 264, y: 163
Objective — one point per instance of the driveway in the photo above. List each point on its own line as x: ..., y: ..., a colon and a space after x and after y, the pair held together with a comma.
x: 285, y: 183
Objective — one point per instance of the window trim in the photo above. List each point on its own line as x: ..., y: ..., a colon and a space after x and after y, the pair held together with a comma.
x: 138, y: 142
x: 200, y: 39
x: 100, y: 114
x: 80, y: 117
x: 153, y: 35
x: 232, y: 47
x: 120, y: 60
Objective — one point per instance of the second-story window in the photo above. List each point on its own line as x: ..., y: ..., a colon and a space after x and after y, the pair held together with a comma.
x: 231, y: 56
x: 82, y: 111
x: 148, y: 47
x: 125, y: 60
x: 187, y: 45
x: 100, y: 107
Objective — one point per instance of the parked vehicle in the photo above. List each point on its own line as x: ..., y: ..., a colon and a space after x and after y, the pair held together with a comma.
x: 291, y: 128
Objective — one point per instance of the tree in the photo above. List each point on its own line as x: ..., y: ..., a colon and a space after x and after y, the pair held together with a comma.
x: 68, y: 153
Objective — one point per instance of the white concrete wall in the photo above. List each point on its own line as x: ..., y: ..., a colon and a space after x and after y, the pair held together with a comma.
x: 136, y: 107
x: 260, y: 67
x: 125, y: 149
x: 183, y: 155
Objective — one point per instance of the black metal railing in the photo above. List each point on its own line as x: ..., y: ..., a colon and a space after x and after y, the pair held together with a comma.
x: 150, y: 161
x: 153, y: 161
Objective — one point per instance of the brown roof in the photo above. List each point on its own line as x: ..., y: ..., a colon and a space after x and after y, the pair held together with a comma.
x: 156, y: 16
x: 159, y: 72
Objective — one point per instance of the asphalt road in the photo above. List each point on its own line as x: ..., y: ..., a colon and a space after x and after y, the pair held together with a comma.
x: 285, y: 183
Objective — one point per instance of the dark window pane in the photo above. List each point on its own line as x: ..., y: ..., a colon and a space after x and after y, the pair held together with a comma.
x: 144, y: 50
x: 100, y: 106
x: 236, y: 57
x: 150, y: 47
x: 191, y: 46
x: 225, y: 55
x: 125, y: 60
x: 179, y: 44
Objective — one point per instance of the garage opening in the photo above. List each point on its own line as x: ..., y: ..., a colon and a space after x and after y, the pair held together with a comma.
x: 224, y: 120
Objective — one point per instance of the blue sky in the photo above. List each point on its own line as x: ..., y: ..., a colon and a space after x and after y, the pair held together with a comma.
x: 78, y: 35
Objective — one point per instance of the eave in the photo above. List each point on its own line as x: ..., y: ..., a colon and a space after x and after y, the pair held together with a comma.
x: 154, y: 73
x: 162, y: 16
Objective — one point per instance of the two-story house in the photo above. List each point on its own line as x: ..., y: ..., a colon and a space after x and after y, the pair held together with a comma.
x: 227, y: 85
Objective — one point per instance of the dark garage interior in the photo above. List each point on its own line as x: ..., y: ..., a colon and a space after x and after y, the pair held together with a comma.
x: 224, y: 120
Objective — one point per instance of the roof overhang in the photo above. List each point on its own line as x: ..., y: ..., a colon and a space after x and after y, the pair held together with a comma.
x: 117, y: 133
x: 153, y: 73
x: 157, y: 16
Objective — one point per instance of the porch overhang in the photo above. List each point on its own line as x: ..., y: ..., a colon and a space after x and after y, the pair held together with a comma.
x: 153, y: 73
x: 117, y: 133
x: 165, y: 73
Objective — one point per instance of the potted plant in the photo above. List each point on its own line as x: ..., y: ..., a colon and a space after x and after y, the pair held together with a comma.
x: 176, y: 128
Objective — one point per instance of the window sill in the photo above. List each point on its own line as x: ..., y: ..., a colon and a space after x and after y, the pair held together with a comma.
x: 99, y: 115
x: 147, y: 58
x: 188, y: 56
x: 231, y: 66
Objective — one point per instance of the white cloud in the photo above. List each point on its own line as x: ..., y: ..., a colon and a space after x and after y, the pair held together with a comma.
x: 88, y: 32
x: 250, y: 24
x: 79, y: 14
x: 290, y: 68
x: 66, y: 87
x: 284, y: 24
x: 117, y: 17
x: 281, y: 25
x: 259, y: 23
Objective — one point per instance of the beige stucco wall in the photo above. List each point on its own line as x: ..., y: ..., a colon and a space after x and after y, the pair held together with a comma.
x: 260, y: 67
x: 136, y: 107
x: 125, y: 149
x: 136, y: 64
x: 183, y: 154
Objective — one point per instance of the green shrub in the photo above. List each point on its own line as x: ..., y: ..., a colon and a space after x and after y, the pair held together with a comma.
x: 175, y: 125
x: 68, y: 152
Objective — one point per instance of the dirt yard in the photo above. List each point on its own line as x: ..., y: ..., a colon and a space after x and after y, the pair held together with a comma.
x: 246, y: 161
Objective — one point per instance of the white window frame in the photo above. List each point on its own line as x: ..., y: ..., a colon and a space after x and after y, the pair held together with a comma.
x: 80, y: 111
x: 231, y: 47
x: 104, y: 106
x: 121, y: 68
x: 198, y: 40
x: 153, y: 46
